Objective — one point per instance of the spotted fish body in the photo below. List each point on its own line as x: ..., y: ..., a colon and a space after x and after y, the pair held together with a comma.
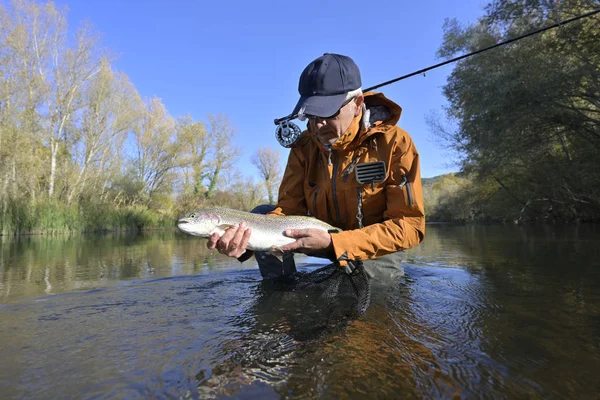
x: 268, y: 231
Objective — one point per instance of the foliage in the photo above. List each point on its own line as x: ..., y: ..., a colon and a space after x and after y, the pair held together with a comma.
x: 442, y: 194
x: 528, y: 114
x: 51, y: 217
x: 80, y: 150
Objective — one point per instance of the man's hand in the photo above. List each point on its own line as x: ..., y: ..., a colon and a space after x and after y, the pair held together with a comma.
x: 233, y: 242
x: 313, y: 242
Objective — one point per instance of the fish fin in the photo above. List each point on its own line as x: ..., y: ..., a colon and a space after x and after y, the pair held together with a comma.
x: 277, y: 252
x: 220, y: 229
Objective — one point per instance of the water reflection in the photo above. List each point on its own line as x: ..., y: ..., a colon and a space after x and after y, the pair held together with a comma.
x: 497, y: 311
x: 532, y: 314
x: 35, y: 265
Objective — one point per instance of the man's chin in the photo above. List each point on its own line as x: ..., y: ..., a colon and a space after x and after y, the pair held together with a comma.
x: 328, y: 141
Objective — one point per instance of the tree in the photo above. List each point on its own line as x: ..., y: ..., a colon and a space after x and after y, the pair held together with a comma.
x: 528, y: 114
x: 112, y: 108
x: 47, y: 74
x: 224, y: 153
x: 196, y: 145
x: 266, y: 160
x: 157, y: 151
x: 20, y: 100
x: 75, y: 133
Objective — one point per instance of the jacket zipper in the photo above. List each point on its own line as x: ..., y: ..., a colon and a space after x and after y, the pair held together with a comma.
x: 410, y: 196
x: 335, y: 164
x: 359, y: 214
x: 328, y: 154
x: 408, y: 189
x: 350, y: 168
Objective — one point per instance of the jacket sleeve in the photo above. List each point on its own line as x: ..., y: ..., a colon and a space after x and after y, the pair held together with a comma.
x: 291, y: 200
x: 403, y: 223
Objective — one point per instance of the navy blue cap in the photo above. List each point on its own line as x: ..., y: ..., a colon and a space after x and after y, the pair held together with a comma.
x: 325, y: 83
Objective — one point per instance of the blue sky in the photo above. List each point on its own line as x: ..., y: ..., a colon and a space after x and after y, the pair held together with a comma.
x: 244, y: 58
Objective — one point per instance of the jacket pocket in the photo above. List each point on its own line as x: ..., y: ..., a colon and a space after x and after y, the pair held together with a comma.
x: 401, y: 198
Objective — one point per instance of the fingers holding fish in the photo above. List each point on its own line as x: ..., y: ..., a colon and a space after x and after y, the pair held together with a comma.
x: 233, y: 242
x: 310, y: 241
x: 212, y: 241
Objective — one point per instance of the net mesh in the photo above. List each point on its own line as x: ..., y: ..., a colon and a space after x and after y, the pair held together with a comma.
x: 323, y: 300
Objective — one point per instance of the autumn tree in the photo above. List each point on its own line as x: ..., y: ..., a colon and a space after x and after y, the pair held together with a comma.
x: 74, y: 132
x: 223, y: 150
x: 44, y: 75
x: 157, y: 152
x: 21, y: 97
x: 195, y: 146
x: 266, y: 160
x: 112, y: 108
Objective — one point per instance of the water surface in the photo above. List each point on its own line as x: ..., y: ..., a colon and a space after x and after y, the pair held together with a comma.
x: 483, y: 312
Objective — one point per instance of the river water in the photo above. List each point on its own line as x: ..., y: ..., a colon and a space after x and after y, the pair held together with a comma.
x: 483, y: 312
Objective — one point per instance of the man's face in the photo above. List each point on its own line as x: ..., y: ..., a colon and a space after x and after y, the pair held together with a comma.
x: 329, y: 130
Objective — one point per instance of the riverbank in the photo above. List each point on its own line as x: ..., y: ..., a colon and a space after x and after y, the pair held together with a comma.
x: 49, y: 218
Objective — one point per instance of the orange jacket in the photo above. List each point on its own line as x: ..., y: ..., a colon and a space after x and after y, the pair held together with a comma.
x: 322, y: 183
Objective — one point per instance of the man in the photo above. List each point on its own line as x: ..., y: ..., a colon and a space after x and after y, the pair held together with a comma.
x: 348, y: 132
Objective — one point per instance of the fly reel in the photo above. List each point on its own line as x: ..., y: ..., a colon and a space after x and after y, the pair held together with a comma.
x: 287, y: 133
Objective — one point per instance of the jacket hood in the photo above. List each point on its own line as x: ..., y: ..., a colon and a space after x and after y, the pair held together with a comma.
x: 379, y: 110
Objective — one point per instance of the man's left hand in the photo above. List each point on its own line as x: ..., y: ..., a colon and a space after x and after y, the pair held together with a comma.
x: 313, y: 242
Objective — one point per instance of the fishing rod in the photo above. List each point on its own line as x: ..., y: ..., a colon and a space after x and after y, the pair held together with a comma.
x: 287, y: 132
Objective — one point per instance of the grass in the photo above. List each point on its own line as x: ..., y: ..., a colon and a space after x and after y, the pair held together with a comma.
x: 54, y: 218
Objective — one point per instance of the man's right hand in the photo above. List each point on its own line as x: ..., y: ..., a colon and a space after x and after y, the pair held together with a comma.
x: 233, y: 242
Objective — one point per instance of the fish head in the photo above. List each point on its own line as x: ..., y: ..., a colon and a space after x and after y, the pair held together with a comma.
x: 199, y: 223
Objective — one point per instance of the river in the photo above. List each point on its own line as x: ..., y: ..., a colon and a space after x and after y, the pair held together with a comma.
x: 482, y: 312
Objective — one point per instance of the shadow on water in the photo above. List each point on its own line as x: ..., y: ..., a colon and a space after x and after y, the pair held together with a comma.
x: 483, y: 312
x: 288, y: 317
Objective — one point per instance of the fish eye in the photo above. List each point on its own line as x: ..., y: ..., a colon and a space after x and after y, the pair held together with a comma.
x: 192, y: 215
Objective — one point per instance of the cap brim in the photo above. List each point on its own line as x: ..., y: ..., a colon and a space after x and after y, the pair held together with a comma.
x: 319, y: 106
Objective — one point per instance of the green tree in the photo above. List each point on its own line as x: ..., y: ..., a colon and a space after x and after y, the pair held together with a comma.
x: 528, y: 113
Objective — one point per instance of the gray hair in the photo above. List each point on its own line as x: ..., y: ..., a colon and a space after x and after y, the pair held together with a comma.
x: 364, y: 123
x: 354, y: 93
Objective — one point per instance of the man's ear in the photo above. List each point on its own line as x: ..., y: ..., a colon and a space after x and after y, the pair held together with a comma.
x: 358, y: 100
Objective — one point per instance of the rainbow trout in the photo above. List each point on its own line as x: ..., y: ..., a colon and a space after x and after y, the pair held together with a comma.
x: 268, y: 231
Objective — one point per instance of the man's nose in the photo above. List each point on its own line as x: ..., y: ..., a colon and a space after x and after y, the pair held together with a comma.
x: 320, y: 122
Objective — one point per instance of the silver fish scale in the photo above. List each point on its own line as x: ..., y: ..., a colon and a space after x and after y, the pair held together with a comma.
x: 267, y: 231
x: 269, y: 223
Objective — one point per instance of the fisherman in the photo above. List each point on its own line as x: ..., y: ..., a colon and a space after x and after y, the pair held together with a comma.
x: 351, y: 137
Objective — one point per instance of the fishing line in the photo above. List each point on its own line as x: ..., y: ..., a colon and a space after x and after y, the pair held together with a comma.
x: 287, y: 132
x: 556, y: 25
